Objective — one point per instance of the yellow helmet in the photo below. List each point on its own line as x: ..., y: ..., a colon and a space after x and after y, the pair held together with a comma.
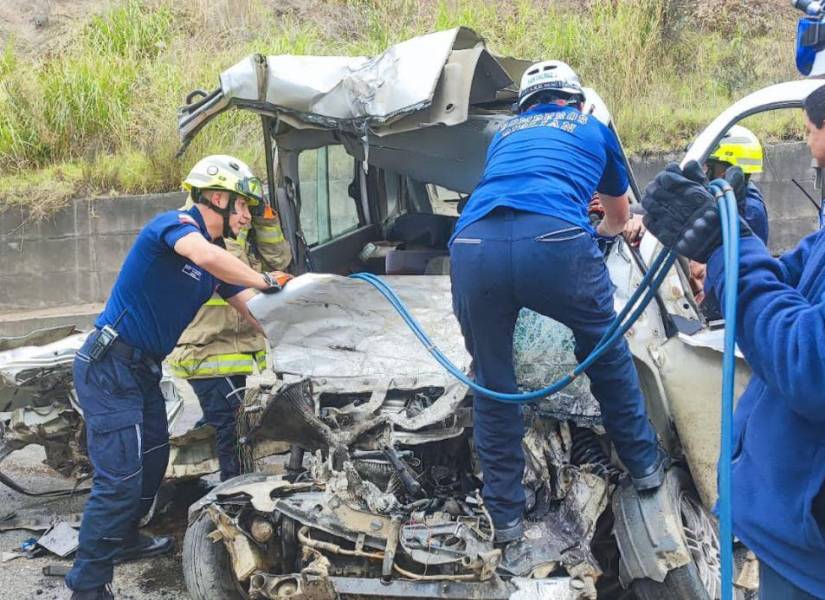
x: 222, y: 172
x: 740, y: 148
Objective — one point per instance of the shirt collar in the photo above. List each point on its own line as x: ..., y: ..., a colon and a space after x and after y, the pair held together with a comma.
x: 547, y: 108
x: 196, y: 214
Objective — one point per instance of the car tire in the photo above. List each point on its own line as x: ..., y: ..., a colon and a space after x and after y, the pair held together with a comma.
x: 207, y: 569
x: 692, y: 581
x: 683, y: 583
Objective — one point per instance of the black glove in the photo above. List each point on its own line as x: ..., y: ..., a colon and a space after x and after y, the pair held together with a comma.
x: 682, y: 213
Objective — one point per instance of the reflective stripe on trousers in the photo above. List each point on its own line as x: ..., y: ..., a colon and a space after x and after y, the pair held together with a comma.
x: 128, y: 443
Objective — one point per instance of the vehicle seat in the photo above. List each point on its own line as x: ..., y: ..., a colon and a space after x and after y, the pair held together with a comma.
x: 425, y: 230
x: 413, y: 261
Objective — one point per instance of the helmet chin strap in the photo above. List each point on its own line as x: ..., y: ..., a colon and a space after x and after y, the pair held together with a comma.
x: 224, y: 212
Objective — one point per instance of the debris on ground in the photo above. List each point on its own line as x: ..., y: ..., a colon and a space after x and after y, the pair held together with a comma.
x: 62, y: 539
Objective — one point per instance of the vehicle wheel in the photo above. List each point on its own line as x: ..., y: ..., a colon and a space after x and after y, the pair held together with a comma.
x: 699, y: 580
x: 207, y: 569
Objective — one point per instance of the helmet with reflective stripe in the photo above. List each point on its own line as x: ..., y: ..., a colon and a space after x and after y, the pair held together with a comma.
x: 740, y: 148
x: 552, y: 76
x: 225, y: 173
x: 222, y: 172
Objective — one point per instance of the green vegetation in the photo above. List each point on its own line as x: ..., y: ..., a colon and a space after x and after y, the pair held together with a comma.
x: 97, y: 115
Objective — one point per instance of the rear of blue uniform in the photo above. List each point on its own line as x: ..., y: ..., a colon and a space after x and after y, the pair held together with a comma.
x: 524, y: 240
x: 548, y: 161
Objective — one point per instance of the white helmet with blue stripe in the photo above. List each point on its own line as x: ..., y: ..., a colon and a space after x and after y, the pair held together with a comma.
x: 549, y: 76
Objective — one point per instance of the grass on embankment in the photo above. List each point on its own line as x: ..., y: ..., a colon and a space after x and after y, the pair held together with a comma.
x: 96, y: 114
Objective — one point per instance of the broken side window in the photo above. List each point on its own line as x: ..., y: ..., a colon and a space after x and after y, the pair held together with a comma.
x: 327, y: 209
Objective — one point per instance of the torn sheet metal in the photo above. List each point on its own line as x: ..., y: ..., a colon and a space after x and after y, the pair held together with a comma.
x: 563, y: 534
x: 649, y: 530
x: 332, y: 327
x: 43, y: 366
x: 557, y: 588
x: 38, y: 402
x: 12, y: 522
x: 345, y: 336
x: 358, y: 93
x: 62, y: 539
x: 192, y: 454
x: 44, y: 373
x: 262, y: 494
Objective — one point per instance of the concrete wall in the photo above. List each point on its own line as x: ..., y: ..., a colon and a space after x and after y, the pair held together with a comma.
x: 73, y: 257
x: 790, y: 214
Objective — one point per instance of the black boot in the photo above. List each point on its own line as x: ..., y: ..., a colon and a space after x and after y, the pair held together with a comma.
x: 101, y: 593
x: 508, y: 533
x: 144, y: 547
x: 654, y: 475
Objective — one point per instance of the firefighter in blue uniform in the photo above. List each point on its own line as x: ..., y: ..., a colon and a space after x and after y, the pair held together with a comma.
x: 173, y: 267
x: 779, y: 424
x: 524, y: 239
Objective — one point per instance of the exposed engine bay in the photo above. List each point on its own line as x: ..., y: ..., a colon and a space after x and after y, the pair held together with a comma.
x: 380, y: 502
x: 386, y: 501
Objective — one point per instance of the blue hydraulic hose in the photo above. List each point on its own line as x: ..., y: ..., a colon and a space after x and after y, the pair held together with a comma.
x: 630, y: 313
x: 730, y: 238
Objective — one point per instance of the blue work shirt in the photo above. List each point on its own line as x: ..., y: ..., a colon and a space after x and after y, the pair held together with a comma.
x: 548, y: 160
x: 756, y: 215
x: 779, y: 424
x: 158, y: 291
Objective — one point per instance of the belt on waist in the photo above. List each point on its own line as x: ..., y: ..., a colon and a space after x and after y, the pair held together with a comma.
x: 129, y: 353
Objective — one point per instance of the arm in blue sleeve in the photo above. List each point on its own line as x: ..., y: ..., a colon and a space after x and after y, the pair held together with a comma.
x: 614, y: 181
x: 756, y: 214
x: 780, y: 332
x: 227, y: 290
x: 794, y: 261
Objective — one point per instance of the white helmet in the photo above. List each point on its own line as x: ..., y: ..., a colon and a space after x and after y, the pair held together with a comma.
x: 549, y: 75
x: 222, y: 172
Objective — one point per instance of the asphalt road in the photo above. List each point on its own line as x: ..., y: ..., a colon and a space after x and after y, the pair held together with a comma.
x: 159, y: 578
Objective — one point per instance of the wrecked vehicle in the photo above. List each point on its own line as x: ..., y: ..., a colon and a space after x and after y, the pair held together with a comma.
x: 38, y: 405
x: 368, y: 163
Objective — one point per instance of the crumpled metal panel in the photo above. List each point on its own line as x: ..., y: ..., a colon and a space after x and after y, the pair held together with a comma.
x: 332, y: 328
x: 649, y: 531
x: 348, y: 87
x: 556, y: 588
x: 39, y: 367
x: 440, y: 73
x: 39, y: 374
x: 344, y: 335
x: 192, y: 454
x: 563, y: 535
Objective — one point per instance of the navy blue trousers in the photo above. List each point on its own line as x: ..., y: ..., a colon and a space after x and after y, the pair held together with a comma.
x: 512, y: 260
x: 128, y: 443
x: 220, y: 398
x: 772, y: 586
